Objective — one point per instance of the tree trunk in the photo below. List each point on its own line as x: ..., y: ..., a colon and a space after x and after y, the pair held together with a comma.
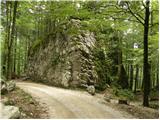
x: 11, y: 41
x: 131, y: 77
x: 128, y: 70
x: 18, y: 64
x: 15, y: 50
x: 142, y: 86
x: 139, y: 81
x: 122, y: 75
x: 136, y: 78
x: 5, y: 59
x: 9, y: 17
x: 25, y: 55
x: 145, y: 60
x: 157, y: 77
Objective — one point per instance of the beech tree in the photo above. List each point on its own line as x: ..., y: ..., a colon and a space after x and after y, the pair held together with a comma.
x: 10, y: 32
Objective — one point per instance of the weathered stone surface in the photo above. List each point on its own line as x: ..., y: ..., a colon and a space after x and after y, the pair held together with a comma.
x: 4, y: 100
x: 9, y: 112
x: 3, y: 89
x: 25, y: 78
x: 11, y: 85
x: 91, y: 89
x: 7, y: 86
x: 2, y: 81
x: 3, y: 86
x: 65, y: 61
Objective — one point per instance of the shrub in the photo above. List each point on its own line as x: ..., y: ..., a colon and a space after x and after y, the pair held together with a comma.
x: 36, y: 44
x: 125, y: 94
x: 102, y: 69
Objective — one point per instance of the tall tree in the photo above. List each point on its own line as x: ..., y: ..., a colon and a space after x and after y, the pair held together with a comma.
x: 145, y: 59
x: 145, y: 22
x: 10, y: 42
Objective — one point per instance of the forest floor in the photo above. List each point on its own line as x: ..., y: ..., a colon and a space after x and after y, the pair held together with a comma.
x: 53, y: 102
x: 138, y: 111
x: 134, y: 106
x: 27, y: 105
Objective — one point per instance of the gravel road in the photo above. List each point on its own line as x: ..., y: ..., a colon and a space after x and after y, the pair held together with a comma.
x: 64, y: 103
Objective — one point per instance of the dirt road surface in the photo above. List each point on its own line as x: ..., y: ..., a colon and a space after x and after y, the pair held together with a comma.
x: 64, y: 103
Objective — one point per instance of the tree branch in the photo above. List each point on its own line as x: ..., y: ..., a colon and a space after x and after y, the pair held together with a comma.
x: 143, y: 4
x: 116, y: 18
x: 140, y: 16
x: 134, y: 14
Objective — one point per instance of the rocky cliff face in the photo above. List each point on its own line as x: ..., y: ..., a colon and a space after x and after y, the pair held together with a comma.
x: 66, y: 60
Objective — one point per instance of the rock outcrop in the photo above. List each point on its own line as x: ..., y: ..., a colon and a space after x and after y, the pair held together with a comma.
x: 66, y: 60
x: 7, y: 86
x: 9, y: 112
x: 91, y: 89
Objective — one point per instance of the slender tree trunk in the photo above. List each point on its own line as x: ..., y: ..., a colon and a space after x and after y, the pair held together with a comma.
x: 4, y: 62
x: 9, y: 17
x: 122, y: 75
x: 152, y: 76
x: 139, y: 81
x: 18, y: 64
x: 26, y: 56
x: 15, y: 52
x: 145, y: 61
x: 11, y: 41
x: 157, y: 77
x: 136, y: 78
x: 131, y: 77
x: 151, y: 30
x: 142, y: 86
x: 128, y: 70
x: 14, y: 47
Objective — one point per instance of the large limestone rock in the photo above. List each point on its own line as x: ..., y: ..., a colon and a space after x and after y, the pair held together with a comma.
x: 9, y: 112
x: 3, y: 89
x: 66, y: 60
x: 7, y: 86
x: 3, y: 86
x: 11, y: 85
x: 91, y: 89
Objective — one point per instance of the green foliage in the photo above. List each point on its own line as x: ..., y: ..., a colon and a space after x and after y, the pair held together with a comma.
x: 154, y: 93
x: 123, y: 93
x: 154, y: 105
x: 36, y: 44
x: 101, y: 67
